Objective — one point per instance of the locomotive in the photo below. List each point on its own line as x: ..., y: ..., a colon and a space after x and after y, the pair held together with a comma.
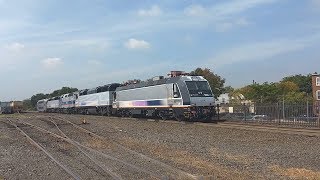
x: 180, y: 96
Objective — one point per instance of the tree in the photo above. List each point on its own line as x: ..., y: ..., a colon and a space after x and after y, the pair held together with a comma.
x: 216, y: 82
x: 63, y: 90
x: 304, y: 82
x: 35, y: 98
x: 27, y: 105
x: 228, y: 89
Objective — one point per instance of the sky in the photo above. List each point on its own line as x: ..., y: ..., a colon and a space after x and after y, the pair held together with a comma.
x: 48, y: 44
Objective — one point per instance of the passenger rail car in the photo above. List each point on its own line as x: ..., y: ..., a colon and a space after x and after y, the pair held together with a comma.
x: 53, y: 104
x: 96, y: 100
x: 68, y: 102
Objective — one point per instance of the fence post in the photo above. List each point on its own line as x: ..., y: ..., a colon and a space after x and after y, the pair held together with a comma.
x: 218, y: 110
x: 283, y: 113
x: 307, y: 109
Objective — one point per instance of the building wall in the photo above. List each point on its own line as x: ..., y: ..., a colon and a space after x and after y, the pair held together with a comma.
x: 315, y: 91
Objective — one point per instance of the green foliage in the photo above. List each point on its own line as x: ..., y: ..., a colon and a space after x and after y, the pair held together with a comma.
x: 35, y: 98
x: 27, y: 105
x: 273, y: 92
x: 304, y: 82
x: 228, y: 89
x: 216, y: 82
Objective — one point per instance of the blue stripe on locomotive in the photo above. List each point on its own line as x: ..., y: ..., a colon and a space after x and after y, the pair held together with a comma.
x: 154, y: 103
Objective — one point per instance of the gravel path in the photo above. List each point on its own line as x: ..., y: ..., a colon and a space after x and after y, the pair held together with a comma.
x: 204, y: 151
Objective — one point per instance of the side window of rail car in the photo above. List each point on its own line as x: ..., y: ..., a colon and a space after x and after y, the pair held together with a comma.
x: 176, y: 92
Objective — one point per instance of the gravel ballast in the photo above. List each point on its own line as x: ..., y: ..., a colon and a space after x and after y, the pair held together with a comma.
x: 203, y: 151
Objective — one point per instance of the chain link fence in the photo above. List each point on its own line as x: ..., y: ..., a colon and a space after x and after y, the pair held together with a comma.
x: 303, y: 114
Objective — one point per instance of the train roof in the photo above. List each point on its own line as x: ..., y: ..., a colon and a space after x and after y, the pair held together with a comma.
x: 161, y: 81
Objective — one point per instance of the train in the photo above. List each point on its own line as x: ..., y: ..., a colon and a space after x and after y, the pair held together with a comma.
x: 179, y: 96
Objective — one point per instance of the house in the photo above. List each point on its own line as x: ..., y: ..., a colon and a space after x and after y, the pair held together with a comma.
x: 231, y: 104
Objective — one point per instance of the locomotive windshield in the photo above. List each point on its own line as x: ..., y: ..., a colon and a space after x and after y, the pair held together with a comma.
x: 199, y: 88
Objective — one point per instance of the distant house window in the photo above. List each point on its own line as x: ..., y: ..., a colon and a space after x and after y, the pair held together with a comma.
x: 318, y: 95
x: 318, y: 81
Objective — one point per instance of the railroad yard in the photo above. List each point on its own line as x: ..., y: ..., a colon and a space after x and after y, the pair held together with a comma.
x: 60, y: 146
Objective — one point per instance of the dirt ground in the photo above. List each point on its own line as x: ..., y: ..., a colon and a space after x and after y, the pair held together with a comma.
x: 150, y: 149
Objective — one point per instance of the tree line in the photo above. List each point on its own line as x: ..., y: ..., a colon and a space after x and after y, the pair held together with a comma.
x: 294, y: 88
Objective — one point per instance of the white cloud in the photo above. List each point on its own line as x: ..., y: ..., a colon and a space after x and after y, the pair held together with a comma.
x: 136, y: 44
x: 51, y: 63
x: 262, y: 50
x: 195, y: 10
x: 15, y: 46
x: 153, y: 11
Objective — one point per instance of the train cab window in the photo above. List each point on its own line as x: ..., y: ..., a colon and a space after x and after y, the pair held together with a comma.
x: 176, y: 92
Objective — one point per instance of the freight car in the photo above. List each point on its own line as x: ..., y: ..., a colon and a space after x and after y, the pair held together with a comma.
x: 11, y: 107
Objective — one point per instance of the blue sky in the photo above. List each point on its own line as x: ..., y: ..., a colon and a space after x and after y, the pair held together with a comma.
x: 47, y: 44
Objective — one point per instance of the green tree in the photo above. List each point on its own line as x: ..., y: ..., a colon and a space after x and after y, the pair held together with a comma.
x: 27, y: 105
x: 216, y: 82
x: 304, y: 82
x: 228, y: 89
x: 35, y: 98
x: 63, y: 90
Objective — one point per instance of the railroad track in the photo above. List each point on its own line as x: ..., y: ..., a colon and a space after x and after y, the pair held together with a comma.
x: 246, y: 126
x: 285, y: 130
x: 39, y: 146
x: 103, y: 170
x: 163, y: 171
x: 167, y: 169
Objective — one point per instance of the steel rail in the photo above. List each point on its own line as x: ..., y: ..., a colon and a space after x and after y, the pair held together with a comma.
x: 114, y: 175
x: 77, y: 144
x: 179, y: 171
x: 103, y: 154
x: 71, y: 173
